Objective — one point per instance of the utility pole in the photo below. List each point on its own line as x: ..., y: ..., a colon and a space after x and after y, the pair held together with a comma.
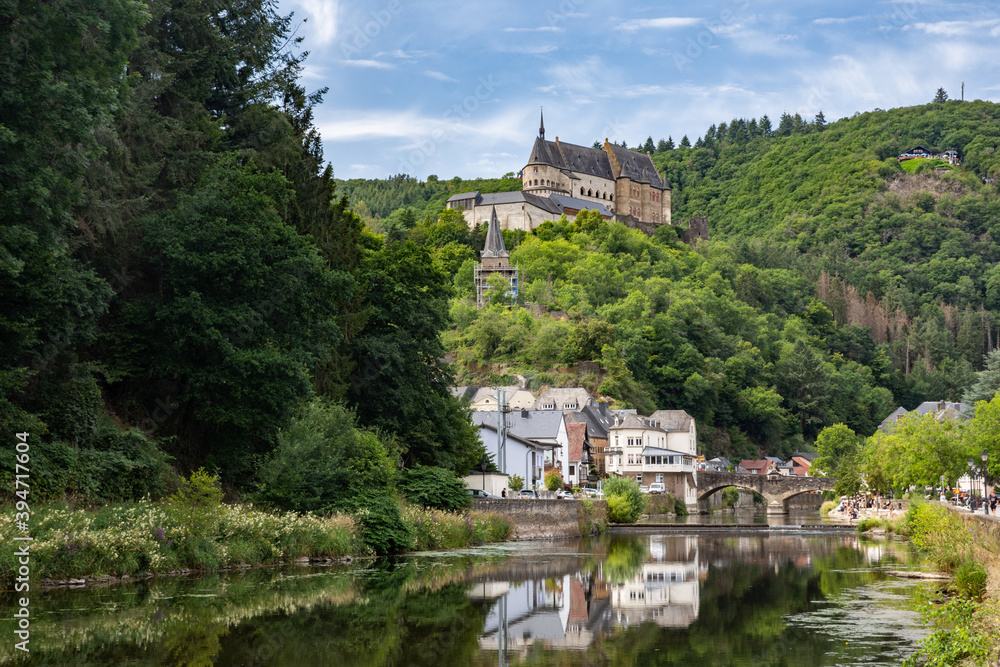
x: 502, y: 410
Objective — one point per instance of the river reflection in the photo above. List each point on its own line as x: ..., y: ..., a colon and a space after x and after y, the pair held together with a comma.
x: 644, y: 599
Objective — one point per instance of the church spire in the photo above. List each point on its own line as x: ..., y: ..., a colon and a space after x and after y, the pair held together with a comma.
x: 541, y: 124
x: 494, y: 239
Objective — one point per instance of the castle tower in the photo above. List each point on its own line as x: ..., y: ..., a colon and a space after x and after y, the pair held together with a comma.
x: 495, y: 259
x: 541, y: 124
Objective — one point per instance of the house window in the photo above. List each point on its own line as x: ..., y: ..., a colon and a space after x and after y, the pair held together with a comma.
x: 659, y: 477
x: 638, y: 478
x: 572, y: 470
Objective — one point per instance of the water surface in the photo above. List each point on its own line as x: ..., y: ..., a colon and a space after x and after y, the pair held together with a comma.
x: 770, y: 598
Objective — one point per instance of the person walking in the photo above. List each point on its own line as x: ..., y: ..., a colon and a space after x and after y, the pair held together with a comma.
x: 993, y: 504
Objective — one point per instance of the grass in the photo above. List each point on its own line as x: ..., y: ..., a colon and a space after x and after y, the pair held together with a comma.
x: 828, y: 506
x: 437, y: 529
x: 914, y: 164
x: 154, y: 537
x: 872, y: 523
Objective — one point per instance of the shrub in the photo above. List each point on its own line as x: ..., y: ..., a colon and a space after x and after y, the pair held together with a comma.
x: 553, y: 480
x: 515, y: 483
x: 730, y: 496
x: 970, y: 580
x: 828, y: 506
x: 939, y: 533
x: 430, y: 486
x: 626, y: 502
x: 680, y: 507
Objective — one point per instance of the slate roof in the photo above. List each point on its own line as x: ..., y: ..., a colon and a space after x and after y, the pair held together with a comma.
x: 530, y: 424
x: 512, y: 436
x: 673, y: 420
x: 595, y: 161
x: 463, y: 392
x: 577, y: 436
x: 562, y: 395
x: 464, y: 195
x: 808, y: 456
x: 657, y: 451
x: 494, y: 239
x: 638, y: 167
x: 554, y: 204
x: 635, y: 421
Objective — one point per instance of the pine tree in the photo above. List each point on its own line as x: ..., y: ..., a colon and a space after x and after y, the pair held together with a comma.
x: 820, y: 121
x: 670, y: 143
x: 685, y: 142
x: 785, y: 125
x: 661, y: 146
x: 765, y: 127
x: 987, y: 380
x: 648, y: 147
x: 940, y: 96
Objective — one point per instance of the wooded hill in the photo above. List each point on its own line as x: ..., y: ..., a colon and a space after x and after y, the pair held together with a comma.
x: 835, y: 285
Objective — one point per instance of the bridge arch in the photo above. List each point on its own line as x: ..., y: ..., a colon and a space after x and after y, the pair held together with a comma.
x: 703, y: 494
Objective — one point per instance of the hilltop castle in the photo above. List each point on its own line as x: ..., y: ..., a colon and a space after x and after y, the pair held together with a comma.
x: 562, y: 178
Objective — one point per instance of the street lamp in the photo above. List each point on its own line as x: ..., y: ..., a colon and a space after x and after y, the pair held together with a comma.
x: 986, y: 482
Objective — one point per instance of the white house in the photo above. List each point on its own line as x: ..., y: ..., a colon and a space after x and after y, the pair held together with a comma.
x: 543, y: 428
x: 638, y: 448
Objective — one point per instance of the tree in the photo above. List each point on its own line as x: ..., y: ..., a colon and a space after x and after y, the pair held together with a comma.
x: 765, y: 127
x: 626, y: 502
x: 805, y: 385
x: 837, y: 446
x: 399, y: 382
x: 786, y: 125
x: 685, y: 142
x: 940, y: 96
x: 987, y: 381
x: 553, y: 480
x: 918, y: 450
x: 648, y: 147
x: 983, y: 434
x: 245, y: 309
x: 819, y: 123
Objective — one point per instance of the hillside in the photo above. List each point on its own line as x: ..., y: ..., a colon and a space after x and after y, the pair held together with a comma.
x: 836, y: 285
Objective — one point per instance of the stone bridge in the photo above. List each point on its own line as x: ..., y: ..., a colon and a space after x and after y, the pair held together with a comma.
x: 775, y: 488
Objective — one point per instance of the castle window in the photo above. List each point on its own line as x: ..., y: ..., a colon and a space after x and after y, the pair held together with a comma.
x: 590, y: 193
x: 611, y: 198
x: 605, y: 195
x: 581, y: 191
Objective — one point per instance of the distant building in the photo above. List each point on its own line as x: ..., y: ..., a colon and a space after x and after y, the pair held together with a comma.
x: 940, y: 409
x: 563, y: 178
x: 495, y: 261
x: 758, y: 467
x: 919, y: 152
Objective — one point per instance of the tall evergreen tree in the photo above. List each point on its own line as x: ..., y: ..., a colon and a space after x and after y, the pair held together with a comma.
x: 670, y: 143
x: 765, y: 127
x: 987, y: 381
x: 785, y: 126
x: 685, y: 142
x: 940, y: 96
x: 819, y: 123
x: 648, y: 147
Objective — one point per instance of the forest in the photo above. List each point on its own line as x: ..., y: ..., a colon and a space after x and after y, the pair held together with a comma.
x: 182, y: 283
x: 185, y: 283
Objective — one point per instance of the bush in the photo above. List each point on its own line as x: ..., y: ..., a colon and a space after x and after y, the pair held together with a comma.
x: 730, y: 496
x: 515, y: 483
x: 939, y: 533
x: 680, y: 507
x: 430, y: 486
x: 828, y: 506
x: 553, y: 480
x: 626, y: 502
x: 970, y: 580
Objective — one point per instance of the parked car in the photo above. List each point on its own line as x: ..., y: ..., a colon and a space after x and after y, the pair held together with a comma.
x: 564, y: 495
x: 479, y: 493
x: 657, y: 487
x: 643, y: 489
x: 528, y: 493
x: 592, y: 493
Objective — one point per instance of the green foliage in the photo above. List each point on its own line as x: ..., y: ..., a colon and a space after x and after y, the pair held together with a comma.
x: 970, y: 580
x: 680, y: 507
x: 954, y: 640
x: 553, y: 480
x: 730, y: 496
x: 437, y: 529
x: 626, y: 503
x: 515, y: 483
x: 939, y: 533
x: 429, y: 486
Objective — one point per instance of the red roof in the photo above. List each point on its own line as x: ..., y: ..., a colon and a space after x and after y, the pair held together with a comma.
x: 577, y: 433
x: 761, y: 467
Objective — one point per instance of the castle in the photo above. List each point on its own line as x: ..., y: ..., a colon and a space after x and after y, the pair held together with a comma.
x: 562, y: 178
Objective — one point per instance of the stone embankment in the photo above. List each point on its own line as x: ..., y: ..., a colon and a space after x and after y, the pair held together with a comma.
x: 547, y: 519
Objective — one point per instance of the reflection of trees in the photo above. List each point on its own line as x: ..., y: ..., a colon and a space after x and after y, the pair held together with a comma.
x: 624, y: 561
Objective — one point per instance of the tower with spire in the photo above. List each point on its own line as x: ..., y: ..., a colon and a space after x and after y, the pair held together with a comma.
x: 495, y: 260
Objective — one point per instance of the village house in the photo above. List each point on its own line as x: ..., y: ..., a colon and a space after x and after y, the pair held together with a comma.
x: 599, y: 419
x: 542, y: 427
x: 759, y: 467
x: 579, y: 454
x: 637, y: 449
x: 524, y: 457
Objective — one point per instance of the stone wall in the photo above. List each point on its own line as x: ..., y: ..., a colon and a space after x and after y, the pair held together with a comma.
x: 544, y: 519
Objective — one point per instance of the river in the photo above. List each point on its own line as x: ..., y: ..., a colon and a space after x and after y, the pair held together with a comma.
x: 738, y: 597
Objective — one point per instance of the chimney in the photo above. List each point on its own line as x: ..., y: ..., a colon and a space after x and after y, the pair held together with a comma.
x: 524, y: 414
x: 603, y: 407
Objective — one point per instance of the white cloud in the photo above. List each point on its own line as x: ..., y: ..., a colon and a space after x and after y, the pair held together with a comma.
x: 372, y: 64
x: 544, y: 28
x: 664, y: 23
x: 322, y: 19
x: 440, y: 76
x: 956, y: 28
x: 837, y: 21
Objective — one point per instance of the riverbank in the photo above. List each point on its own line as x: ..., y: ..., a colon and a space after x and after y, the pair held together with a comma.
x: 70, y: 546
x: 965, y: 616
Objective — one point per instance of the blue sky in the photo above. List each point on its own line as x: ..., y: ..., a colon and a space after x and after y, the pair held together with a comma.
x: 454, y: 88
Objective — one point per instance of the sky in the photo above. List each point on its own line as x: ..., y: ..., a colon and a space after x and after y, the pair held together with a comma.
x: 455, y: 88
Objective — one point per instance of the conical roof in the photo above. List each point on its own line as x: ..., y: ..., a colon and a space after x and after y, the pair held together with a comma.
x: 494, y: 239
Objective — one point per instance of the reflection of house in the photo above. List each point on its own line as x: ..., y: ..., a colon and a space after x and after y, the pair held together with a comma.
x: 637, y: 449
x: 665, y: 591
